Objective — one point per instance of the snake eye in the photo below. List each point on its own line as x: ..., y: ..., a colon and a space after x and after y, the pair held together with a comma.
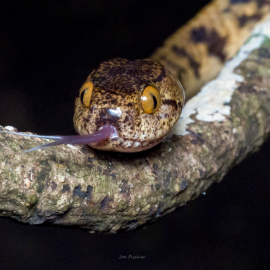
x: 86, y: 93
x: 150, y: 99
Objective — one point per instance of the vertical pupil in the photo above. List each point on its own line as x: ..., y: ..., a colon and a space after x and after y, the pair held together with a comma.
x: 155, y: 101
x: 82, y: 94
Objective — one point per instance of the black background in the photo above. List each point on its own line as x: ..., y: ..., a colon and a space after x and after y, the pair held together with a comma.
x: 47, y: 49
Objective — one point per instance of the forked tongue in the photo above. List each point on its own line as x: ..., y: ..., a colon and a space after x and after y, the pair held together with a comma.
x: 105, y: 132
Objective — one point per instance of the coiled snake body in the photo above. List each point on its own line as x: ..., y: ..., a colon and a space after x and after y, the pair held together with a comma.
x: 130, y: 106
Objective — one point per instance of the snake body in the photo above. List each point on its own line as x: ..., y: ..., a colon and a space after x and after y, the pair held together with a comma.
x: 130, y: 106
x: 196, y: 52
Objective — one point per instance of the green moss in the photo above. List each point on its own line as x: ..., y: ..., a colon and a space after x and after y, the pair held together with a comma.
x: 32, y: 199
x: 41, y: 179
x: 204, y: 150
x: 266, y: 42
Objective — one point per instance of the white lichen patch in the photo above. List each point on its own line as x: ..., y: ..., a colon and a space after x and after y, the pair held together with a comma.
x: 63, y: 203
x: 9, y: 128
x: 211, y: 103
x: 27, y: 183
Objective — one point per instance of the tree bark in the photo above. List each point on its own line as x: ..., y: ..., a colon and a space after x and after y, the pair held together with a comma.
x: 106, y: 191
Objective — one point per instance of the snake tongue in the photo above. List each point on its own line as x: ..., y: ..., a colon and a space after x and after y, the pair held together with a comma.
x: 105, y: 132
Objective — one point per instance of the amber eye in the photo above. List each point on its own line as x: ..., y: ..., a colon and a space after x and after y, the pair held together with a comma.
x: 86, y: 93
x: 150, y: 99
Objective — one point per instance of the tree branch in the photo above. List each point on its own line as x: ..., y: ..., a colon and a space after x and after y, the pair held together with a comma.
x: 106, y: 191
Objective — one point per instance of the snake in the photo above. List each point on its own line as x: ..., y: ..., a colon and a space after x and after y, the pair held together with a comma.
x: 132, y: 105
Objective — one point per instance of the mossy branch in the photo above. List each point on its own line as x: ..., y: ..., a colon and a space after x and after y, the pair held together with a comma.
x: 106, y: 191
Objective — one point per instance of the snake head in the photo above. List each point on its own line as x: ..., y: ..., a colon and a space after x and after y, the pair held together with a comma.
x: 140, y: 99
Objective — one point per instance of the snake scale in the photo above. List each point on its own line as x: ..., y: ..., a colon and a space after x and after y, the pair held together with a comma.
x: 131, y: 105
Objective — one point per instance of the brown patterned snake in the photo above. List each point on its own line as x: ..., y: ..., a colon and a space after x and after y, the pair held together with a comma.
x: 130, y: 106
